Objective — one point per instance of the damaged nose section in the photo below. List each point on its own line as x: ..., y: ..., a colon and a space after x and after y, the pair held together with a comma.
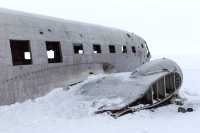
x: 153, y: 84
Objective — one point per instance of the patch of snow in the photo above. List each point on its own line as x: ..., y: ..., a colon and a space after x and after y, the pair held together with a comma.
x: 64, y: 111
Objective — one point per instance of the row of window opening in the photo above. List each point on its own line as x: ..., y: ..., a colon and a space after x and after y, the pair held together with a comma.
x: 78, y: 49
x: 21, y: 51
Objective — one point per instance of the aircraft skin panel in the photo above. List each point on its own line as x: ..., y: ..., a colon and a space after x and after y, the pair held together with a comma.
x: 130, y: 87
x: 22, y: 82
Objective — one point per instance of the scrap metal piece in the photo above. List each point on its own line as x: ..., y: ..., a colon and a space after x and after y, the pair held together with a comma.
x: 152, y: 84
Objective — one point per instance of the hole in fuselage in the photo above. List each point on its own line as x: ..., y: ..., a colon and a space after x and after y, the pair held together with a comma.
x: 21, y: 52
x: 162, y: 89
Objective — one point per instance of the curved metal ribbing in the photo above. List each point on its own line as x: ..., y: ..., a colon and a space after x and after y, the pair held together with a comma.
x: 159, y: 93
x: 163, y: 88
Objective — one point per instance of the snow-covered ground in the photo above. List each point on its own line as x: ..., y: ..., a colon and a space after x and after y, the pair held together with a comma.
x: 62, y: 112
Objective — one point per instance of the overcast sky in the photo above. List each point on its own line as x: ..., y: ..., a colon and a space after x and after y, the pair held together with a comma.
x: 168, y: 26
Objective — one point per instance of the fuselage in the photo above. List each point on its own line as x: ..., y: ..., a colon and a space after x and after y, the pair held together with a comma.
x: 39, y: 53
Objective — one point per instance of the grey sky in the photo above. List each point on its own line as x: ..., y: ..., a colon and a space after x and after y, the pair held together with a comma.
x: 168, y: 26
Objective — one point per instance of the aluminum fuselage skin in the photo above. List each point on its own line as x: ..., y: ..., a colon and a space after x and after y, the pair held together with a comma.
x: 22, y: 82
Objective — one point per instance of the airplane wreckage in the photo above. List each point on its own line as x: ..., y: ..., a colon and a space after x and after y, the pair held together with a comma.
x: 39, y: 53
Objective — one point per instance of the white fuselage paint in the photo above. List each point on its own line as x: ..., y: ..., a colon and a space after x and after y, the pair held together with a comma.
x: 22, y: 82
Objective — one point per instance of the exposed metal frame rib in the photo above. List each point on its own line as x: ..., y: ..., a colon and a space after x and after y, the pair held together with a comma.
x: 156, y: 95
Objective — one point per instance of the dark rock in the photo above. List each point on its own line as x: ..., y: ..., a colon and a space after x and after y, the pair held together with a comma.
x: 190, y: 110
x: 182, y: 110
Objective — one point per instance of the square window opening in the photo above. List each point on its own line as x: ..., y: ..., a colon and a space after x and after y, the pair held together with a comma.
x: 96, y: 48
x: 124, y: 49
x: 21, y: 52
x: 133, y: 49
x: 112, y: 49
x: 78, y: 48
x: 53, y: 52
